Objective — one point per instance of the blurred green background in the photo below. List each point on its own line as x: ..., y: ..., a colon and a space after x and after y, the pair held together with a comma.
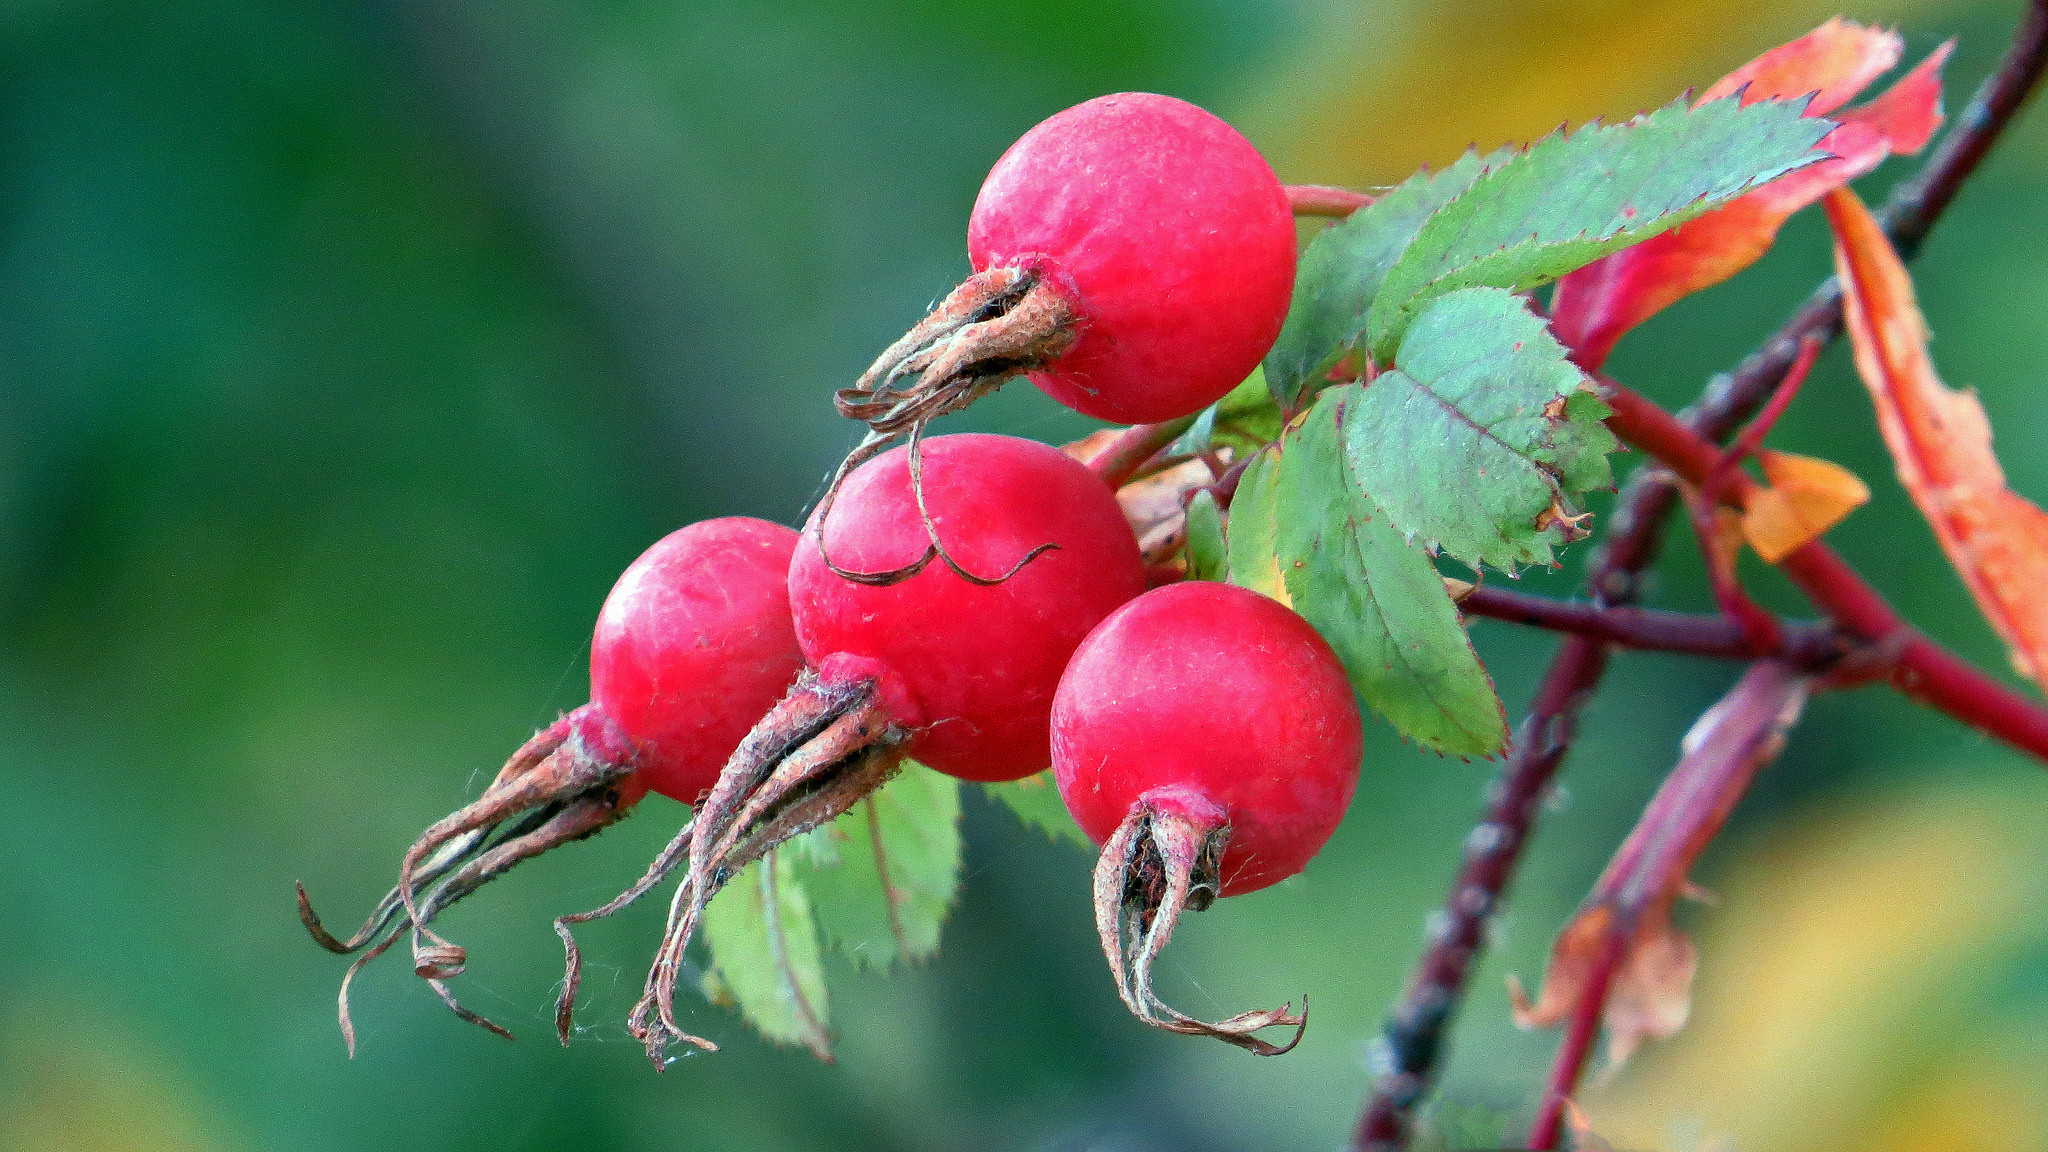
x: 349, y: 349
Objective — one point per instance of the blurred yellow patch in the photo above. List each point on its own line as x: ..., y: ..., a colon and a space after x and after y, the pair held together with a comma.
x: 1842, y: 1001
x: 74, y: 1081
x: 1388, y: 88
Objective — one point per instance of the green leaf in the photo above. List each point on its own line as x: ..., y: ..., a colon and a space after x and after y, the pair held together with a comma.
x: 1036, y: 801
x: 1376, y: 598
x: 1206, y: 559
x: 1253, y: 542
x: 1573, y: 198
x: 1341, y: 272
x: 1243, y: 421
x: 764, y: 954
x: 884, y: 873
x: 1484, y: 433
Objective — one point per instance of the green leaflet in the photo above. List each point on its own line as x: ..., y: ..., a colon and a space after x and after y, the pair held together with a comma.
x: 1037, y: 803
x: 1243, y: 421
x: 1484, y: 432
x: 1300, y: 518
x: 883, y: 875
x: 764, y: 954
x: 1253, y: 543
x: 1341, y: 271
x: 1206, y: 559
x: 1573, y: 198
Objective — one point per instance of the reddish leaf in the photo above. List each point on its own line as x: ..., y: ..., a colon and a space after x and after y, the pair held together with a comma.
x: 1596, y: 305
x: 1806, y: 497
x: 1834, y: 62
x: 1622, y: 938
x: 1941, y: 441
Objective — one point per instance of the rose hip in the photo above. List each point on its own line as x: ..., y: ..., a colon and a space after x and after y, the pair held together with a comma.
x: 1134, y: 255
x: 954, y: 669
x: 1207, y: 738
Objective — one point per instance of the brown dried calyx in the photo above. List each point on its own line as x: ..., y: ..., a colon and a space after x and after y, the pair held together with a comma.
x: 555, y: 789
x: 824, y: 748
x: 995, y: 325
x: 1164, y: 858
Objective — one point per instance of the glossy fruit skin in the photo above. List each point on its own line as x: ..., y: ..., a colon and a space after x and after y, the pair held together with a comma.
x: 970, y: 670
x: 1218, y: 693
x: 1170, y: 234
x: 694, y: 644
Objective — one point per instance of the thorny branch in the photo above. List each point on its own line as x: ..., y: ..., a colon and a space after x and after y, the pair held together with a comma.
x: 1414, y: 1031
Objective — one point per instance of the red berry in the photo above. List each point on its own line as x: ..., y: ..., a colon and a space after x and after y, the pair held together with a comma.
x: 693, y: 645
x: 970, y: 670
x: 911, y: 657
x: 1207, y: 737
x: 1218, y: 690
x: 1170, y: 235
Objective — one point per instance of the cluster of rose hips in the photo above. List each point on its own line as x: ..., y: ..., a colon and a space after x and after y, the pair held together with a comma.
x: 976, y: 602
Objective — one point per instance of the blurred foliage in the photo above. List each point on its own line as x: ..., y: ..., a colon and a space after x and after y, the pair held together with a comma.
x: 349, y: 350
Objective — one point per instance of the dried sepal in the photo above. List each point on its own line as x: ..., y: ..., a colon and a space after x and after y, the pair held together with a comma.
x: 990, y: 329
x: 824, y: 748
x: 1165, y: 858
x: 1649, y: 995
x: 552, y: 791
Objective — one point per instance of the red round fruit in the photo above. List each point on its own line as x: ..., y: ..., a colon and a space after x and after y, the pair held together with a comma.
x: 969, y: 669
x: 693, y: 645
x: 1171, y: 237
x: 1201, y: 692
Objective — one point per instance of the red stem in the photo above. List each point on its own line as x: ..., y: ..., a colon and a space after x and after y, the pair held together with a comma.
x: 1134, y: 446
x: 1632, y: 900
x: 1811, y: 647
x: 1324, y: 200
x: 1926, y: 671
x: 1412, y: 1038
x: 1577, y: 1047
x: 1414, y: 1031
x: 1759, y: 625
x: 1752, y: 437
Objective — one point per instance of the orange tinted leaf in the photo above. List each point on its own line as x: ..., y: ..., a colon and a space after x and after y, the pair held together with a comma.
x: 1652, y: 994
x: 1806, y: 497
x: 1941, y: 441
x: 1649, y: 997
x: 1596, y: 305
